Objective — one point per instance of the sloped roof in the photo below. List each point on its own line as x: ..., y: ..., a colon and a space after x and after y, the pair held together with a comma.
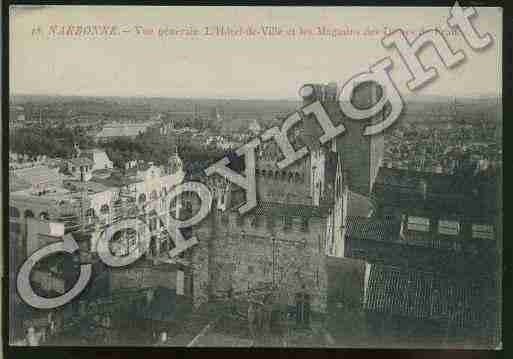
x: 473, y: 196
x: 363, y: 228
x: 405, y: 292
x: 94, y: 151
x: 288, y: 210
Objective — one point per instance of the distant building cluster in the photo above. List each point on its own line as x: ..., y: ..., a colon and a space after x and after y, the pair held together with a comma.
x: 444, y: 149
x: 402, y: 230
x: 122, y: 130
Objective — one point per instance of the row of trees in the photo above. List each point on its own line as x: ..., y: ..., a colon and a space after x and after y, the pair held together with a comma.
x: 146, y: 146
x: 50, y: 141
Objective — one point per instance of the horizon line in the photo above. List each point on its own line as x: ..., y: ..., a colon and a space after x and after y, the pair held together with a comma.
x: 409, y: 95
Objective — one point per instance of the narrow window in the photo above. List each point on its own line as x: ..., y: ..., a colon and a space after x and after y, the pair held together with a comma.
x: 420, y: 224
x: 482, y: 231
x: 451, y: 228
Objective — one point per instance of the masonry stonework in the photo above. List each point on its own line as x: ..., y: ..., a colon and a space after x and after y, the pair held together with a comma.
x: 260, y: 250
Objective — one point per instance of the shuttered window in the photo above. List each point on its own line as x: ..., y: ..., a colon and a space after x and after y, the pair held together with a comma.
x: 449, y: 227
x: 482, y: 231
x: 420, y: 224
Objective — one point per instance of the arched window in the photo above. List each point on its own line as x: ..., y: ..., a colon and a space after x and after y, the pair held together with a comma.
x: 29, y: 214
x: 14, y: 212
x: 104, y: 209
x: 254, y: 221
x: 291, y: 177
x: 154, y: 195
x: 296, y: 177
x: 90, y: 212
x: 264, y: 173
x: 142, y: 198
x: 44, y: 216
x: 283, y: 175
x: 277, y: 175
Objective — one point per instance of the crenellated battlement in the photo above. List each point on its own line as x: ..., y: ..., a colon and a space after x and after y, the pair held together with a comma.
x: 266, y: 220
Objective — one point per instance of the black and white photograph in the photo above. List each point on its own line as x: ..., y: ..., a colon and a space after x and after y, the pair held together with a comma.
x: 249, y: 176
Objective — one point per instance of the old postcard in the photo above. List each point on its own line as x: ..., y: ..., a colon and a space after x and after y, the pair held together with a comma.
x: 255, y: 176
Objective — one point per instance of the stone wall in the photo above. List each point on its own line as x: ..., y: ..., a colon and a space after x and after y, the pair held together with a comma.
x: 143, y: 275
x: 243, y: 256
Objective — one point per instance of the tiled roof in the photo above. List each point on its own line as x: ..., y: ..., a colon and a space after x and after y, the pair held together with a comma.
x: 286, y: 210
x: 404, y: 292
x: 369, y: 228
x: 474, y: 196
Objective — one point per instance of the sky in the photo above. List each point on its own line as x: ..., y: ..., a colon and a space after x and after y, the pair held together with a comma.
x: 232, y: 67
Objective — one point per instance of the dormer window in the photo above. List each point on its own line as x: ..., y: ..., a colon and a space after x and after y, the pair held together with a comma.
x: 451, y: 228
x: 420, y: 224
x: 482, y: 231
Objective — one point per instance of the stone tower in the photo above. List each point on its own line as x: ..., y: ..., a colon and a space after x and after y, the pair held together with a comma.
x: 361, y: 155
x: 357, y: 157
